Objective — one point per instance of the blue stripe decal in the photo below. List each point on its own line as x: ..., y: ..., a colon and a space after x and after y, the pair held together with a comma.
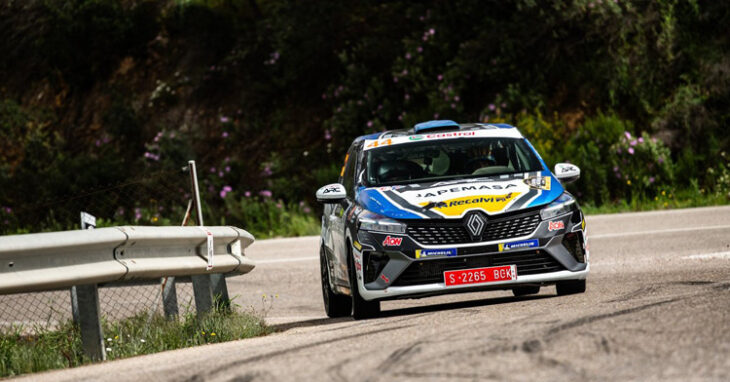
x: 556, y: 189
x: 374, y: 201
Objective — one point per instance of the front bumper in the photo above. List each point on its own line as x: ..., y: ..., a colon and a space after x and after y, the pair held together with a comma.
x: 548, y: 259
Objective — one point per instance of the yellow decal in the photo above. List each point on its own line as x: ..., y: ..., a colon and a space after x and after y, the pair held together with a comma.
x: 357, y: 245
x: 489, y: 203
x: 342, y: 172
x: 418, y: 253
x: 583, y: 225
x: 501, y: 247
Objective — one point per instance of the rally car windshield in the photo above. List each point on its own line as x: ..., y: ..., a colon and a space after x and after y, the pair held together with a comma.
x: 448, y: 159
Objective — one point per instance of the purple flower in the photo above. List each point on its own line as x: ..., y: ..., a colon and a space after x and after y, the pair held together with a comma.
x: 222, y: 194
x: 265, y: 193
x: 641, y: 140
x: 327, y: 135
x: 436, y: 116
x: 247, y: 194
x: 651, y: 179
x: 137, y: 213
x: 419, y: 49
x: 627, y: 134
x: 440, y: 77
x: 220, y: 174
x: 307, y: 210
x: 453, y: 106
x: 633, y: 143
x: 324, y: 96
x: 615, y: 168
x: 267, y: 171
x: 407, y: 96
x: 631, y: 150
x: 431, y: 31
x: 227, y: 188
x: 224, y: 119
x: 228, y: 168
x: 408, y: 56
x: 660, y: 160
x: 212, y: 169
x: 425, y: 37
x: 395, y: 79
x: 618, y: 150
x: 97, y: 143
x: 400, y: 117
x: 492, y: 107
x: 278, y: 205
x: 224, y: 134
x: 457, y: 98
x: 503, y: 105
x: 8, y: 210
x: 405, y: 72
x: 370, y: 123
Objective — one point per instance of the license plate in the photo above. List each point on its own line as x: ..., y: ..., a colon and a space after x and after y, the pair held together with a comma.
x: 480, y: 275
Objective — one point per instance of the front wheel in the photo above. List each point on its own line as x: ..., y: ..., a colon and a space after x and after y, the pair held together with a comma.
x: 570, y: 287
x: 525, y: 290
x: 335, y: 305
x: 361, y: 308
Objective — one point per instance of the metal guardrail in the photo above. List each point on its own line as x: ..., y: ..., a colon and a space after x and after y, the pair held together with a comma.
x: 45, y: 261
x: 83, y: 259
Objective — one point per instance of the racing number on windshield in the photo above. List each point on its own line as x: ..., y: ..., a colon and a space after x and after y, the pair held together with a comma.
x: 380, y: 143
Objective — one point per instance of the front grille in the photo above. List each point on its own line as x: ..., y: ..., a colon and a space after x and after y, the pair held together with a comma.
x: 439, y: 232
x: 432, y: 271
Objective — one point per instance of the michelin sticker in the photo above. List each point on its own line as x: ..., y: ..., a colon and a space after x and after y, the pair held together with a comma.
x: 518, y: 245
x: 449, y: 252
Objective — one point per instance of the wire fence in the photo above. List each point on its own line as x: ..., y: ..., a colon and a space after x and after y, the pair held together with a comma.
x: 49, y: 309
x: 160, y: 199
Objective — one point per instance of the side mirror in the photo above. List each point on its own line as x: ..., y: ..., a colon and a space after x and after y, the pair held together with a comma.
x: 566, y: 172
x: 331, y: 193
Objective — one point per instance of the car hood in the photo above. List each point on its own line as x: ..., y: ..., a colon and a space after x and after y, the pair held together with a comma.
x: 453, y: 199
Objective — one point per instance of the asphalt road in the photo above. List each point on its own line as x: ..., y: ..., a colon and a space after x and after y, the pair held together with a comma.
x: 657, y: 308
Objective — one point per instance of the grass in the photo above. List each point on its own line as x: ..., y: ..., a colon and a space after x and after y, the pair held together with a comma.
x: 45, y: 349
x: 664, y: 201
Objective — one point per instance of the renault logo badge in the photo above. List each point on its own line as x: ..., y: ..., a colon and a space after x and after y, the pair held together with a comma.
x: 475, y: 224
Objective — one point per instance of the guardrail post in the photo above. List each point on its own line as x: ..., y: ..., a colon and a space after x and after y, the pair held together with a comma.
x: 215, y: 283
x: 169, y: 298
x: 220, y: 290
x: 202, y: 292
x: 92, y: 338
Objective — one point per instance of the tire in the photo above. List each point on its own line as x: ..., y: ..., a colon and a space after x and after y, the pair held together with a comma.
x: 570, y: 287
x: 525, y: 290
x: 361, y: 309
x: 335, y: 305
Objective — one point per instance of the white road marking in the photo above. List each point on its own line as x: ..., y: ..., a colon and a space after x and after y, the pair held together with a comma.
x: 287, y: 260
x: 671, y: 230
x: 706, y: 256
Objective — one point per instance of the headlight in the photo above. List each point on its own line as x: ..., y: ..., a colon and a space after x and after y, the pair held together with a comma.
x: 561, y: 206
x: 382, y: 225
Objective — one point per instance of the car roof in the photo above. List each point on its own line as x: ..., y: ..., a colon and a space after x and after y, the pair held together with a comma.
x: 442, y: 128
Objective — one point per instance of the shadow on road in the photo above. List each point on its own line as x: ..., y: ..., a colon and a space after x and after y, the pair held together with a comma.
x: 412, y: 311
x: 459, y: 305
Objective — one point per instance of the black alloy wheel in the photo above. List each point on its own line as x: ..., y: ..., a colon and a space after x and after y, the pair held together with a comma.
x: 335, y: 305
x: 570, y: 287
